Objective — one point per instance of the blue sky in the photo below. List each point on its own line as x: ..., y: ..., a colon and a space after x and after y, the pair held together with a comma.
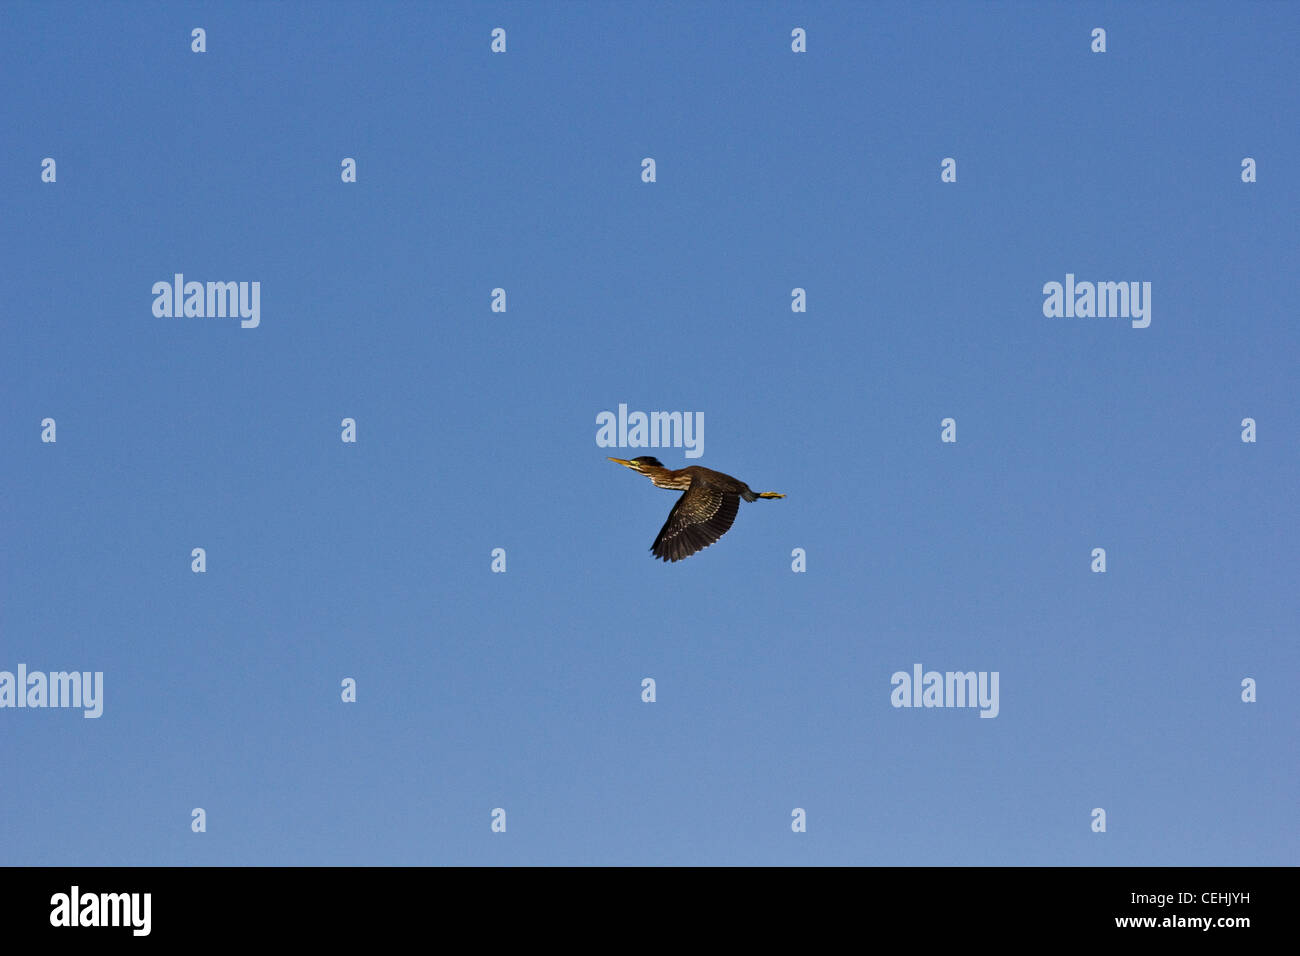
x: 476, y: 430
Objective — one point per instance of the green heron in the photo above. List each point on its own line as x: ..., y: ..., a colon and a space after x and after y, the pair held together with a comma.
x: 703, y: 514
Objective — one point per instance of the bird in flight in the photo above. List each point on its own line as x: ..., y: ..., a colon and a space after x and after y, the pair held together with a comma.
x: 703, y: 514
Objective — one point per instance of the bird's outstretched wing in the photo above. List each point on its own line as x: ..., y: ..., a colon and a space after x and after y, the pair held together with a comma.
x: 700, y: 517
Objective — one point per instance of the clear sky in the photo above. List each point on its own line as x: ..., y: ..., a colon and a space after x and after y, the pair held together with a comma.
x: 476, y: 430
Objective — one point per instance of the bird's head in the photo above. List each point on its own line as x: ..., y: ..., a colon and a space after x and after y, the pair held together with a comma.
x: 639, y: 464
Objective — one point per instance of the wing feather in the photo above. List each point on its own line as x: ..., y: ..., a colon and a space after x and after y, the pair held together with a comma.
x: 700, y: 517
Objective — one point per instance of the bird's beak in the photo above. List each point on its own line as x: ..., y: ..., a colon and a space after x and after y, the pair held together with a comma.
x: 625, y: 464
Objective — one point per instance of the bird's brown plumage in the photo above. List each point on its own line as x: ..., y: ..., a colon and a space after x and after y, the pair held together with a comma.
x: 704, y: 512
